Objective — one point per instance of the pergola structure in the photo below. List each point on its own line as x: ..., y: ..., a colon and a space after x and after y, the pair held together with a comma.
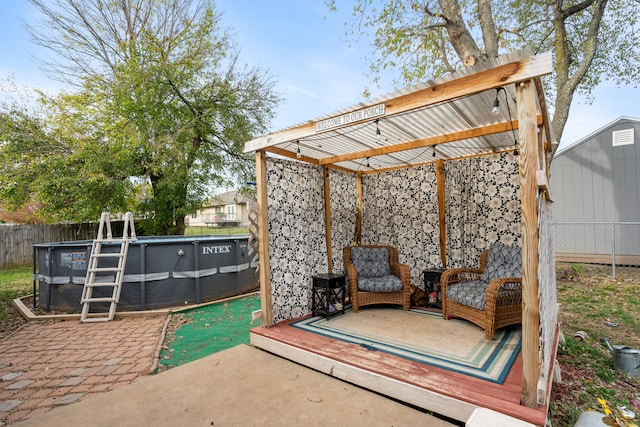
x: 439, y: 170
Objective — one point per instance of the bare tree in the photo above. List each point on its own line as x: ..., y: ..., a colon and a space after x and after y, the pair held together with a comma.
x: 160, y: 103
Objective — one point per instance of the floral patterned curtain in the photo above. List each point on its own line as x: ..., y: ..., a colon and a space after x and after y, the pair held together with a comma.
x: 401, y: 209
x: 344, y: 208
x: 482, y: 205
x: 296, y: 234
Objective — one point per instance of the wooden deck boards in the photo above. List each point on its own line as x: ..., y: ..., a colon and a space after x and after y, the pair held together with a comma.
x: 469, y: 392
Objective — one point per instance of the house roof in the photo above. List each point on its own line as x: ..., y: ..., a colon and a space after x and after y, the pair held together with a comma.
x: 229, y: 198
x: 25, y: 215
x: 595, y: 132
x: 445, y: 118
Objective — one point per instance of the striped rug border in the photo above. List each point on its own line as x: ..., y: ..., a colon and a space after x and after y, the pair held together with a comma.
x: 491, y: 361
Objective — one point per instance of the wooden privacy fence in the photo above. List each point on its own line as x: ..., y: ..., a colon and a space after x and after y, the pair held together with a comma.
x: 16, y: 240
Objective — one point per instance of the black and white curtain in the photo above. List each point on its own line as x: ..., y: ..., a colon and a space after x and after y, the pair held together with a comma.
x: 400, y: 208
x: 296, y: 234
x: 482, y: 206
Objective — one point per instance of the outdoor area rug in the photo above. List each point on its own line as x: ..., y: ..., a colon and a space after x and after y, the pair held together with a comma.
x: 425, y: 337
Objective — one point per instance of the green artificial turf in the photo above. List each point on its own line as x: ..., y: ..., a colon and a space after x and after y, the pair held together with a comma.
x: 205, y: 330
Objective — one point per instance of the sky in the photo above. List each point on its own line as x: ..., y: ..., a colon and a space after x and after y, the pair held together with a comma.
x: 303, y: 47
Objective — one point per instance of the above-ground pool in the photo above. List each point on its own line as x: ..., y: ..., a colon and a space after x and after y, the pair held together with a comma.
x: 160, y: 272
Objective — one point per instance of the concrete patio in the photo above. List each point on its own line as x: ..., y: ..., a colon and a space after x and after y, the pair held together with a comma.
x: 70, y: 373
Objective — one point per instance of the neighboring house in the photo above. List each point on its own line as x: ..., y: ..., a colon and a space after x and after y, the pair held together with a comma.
x: 230, y: 209
x: 595, y: 185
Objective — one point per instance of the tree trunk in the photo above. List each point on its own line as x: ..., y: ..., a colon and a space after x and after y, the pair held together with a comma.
x: 180, y: 226
x: 460, y: 37
x: 567, y: 83
x: 564, y: 94
x: 488, y: 26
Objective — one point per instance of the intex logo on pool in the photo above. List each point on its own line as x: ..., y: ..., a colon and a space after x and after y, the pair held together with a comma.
x: 206, y: 250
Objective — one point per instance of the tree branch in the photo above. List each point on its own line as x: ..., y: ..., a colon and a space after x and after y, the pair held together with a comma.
x: 566, y: 84
x: 460, y: 37
x: 577, y: 8
x: 488, y: 27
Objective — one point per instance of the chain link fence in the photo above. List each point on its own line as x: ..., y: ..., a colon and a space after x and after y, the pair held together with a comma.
x: 611, y: 243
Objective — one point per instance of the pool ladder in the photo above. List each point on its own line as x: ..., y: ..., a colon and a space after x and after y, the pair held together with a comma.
x: 95, y: 266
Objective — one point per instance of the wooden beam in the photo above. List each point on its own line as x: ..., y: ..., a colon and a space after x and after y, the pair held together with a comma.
x: 291, y: 134
x: 491, y: 78
x: 528, y: 159
x: 542, y: 168
x: 441, y: 212
x: 306, y: 159
x: 263, y: 239
x: 357, y: 238
x: 543, y: 182
x: 545, y: 112
x: 393, y: 168
x: 544, y: 387
x: 327, y: 217
x: 292, y: 155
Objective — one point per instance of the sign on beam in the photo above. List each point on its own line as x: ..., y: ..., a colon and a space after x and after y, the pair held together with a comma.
x: 352, y: 117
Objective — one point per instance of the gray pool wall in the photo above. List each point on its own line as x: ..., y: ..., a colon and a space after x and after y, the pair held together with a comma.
x: 160, y: 272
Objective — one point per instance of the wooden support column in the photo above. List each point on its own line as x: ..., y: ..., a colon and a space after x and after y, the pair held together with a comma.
x: 441, y: 211
x: 357, y: 238
x: 263, y: 239
x: 327, y: 216
x: 528, y: 160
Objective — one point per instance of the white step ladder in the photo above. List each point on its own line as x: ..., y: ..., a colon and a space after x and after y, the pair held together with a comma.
x: 95, y: 266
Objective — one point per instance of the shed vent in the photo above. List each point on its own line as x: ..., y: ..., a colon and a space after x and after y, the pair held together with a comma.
x: 622, y: 137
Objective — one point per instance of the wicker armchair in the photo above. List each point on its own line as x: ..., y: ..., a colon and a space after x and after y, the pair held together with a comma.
x: 376, y: 276
x: 490, y: 296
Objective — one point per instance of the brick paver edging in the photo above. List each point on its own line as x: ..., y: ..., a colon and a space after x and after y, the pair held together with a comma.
x: 44, y: 365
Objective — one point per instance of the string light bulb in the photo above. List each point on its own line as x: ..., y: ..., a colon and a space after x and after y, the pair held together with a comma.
x: 496, y: 102
x: 378, y: 133
x: 298, y: 153
x: 368, y: 163
x: 496, y: 106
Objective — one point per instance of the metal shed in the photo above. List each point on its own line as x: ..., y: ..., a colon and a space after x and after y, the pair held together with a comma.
x: 595, y: 187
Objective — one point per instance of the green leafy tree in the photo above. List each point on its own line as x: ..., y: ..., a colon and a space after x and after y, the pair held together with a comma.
x: 160, y: 104
x: 591, y: 40
x: 48, y: 163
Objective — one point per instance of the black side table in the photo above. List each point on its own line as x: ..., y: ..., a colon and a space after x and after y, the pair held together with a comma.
x: 432, y: 284
x: 328, y: 289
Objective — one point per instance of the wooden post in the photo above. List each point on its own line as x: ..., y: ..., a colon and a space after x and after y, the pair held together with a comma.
x: 263, y: 239
x: 327, y: 216
x: 357, y: 238
x: 441, y: 211
x: 528, y: 161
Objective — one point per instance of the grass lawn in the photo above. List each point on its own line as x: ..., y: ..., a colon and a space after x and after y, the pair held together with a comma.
x: 591, y: 301
x: 15, y: 282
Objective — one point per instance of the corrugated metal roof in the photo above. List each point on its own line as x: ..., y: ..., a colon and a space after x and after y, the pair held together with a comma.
x: 449, y: 117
